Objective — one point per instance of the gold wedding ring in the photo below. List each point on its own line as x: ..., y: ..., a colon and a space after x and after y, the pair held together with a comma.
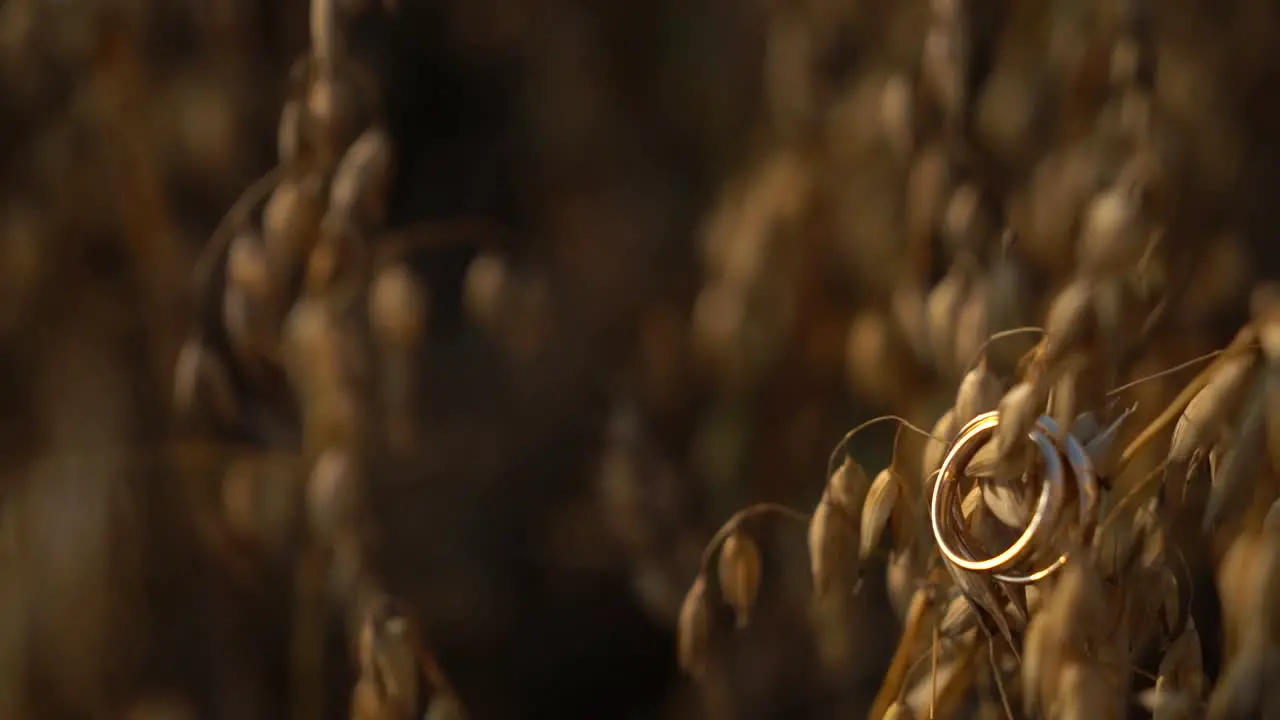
x: 1054, y: 449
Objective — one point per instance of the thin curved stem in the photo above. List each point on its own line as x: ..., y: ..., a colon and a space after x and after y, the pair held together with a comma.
x: 730, y: 525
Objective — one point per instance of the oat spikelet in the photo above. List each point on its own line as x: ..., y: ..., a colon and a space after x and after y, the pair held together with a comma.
x: 832, y: 548
x: 979, y: 392
x: 693, y: 631
x: 739, y: 571
x: 898, y: 711
x: 876, y: 511
x: 1068, y: 320
x: 1205, y: 416
x: 1019, y: 410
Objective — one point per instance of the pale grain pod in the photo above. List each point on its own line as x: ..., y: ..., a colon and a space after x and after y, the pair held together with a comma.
x: 971, y: 504
x: 929, y: 186
x: 361, y: 186
x: 833, y: 551
x: 848, y: 487
x: 1204, y: 418
x: 1113, y: 235
x: 907, y: 307
x: 1101, y: 446
x: 24, y: 257
x: 1126, y: 62
x: 291, y: 134
x: 693, y: 630
x: 898, y: 711
x: 958, y: 617
x: 247, y: 267
x: 942, y: 309
x: 445, y: 706
x: 1166, y: 704
x: 981, y: 590
x: 1232, y: 481
x: 979, y: 392
x: 972, y: 326
x: 311, y: 347
x: 334, y: 109
x: 882, y: 499
x: 291, y: 223
x: 1061, y: 187
x: 367, y: 702
x: 1239, y: 587
x: 161, y: 707
x: 248, y: 324
x: 1064, y: 397
x: 325, y: 42
x: 935, y: 448
x: 485, y: 289
x: 1010, y: 294
x: 897, y: 114
x: 332, y: 495
x: 1009, y: 502
x: 202, y: 385
x: 1264, y: 306
x: 1271, y: 409
x: 943, y: 65
x: 1240, y: 689
x: 1182, y: 667
x: 1086, y: 427
x: 395, y: 655
x: 989, y: 532
x: 1019, y: 409
x: 1040, y: 660
x: 334, y: 257
x: 240, y: 495
x: 969, y: 222
x: 1080, y: 601
x: 1271, y: 523
x: 946, y: 11
x: 399, y: 308
x: 1070, y: 319
x: 900, y: 581
x: 739, y: 570
x: 877, y: 365
x: 1085, y: 693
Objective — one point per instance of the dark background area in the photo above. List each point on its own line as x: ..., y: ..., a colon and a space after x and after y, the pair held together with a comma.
x: 594, y: 147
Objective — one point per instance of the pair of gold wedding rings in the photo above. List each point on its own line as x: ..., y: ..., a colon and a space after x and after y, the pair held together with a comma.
x: 1064, y: 463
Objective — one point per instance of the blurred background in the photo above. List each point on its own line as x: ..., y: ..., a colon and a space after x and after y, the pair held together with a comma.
x: 665, y: 255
